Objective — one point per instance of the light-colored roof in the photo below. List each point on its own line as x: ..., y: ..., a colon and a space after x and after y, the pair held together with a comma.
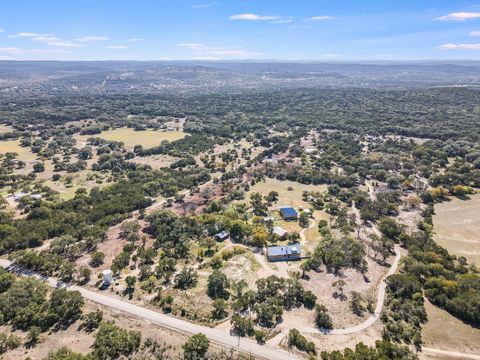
x: 277, y: 230
x: 294, y: 249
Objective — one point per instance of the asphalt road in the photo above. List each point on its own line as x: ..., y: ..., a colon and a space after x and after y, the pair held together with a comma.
x: 217, y: 336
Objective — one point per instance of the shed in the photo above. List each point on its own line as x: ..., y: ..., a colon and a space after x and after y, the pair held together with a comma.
x: 280, y: 232
x: 222, y: 236
x: 288, y: 213
x: 284, y: 253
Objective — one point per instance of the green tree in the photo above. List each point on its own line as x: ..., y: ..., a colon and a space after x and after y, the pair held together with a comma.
x: 186, y: 279
x: 33, y: 336
x: 97, y: 258
x: 322, y: 319
x: 112, y: 342
x: 356, y: 303
x: 218, y: 285
x: 219, y: 309
x: 92, y: 320
x: 66, y: 306
x: 130, y: 280
x: 196, y: 347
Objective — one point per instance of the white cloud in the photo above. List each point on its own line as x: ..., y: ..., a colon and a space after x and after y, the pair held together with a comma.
x: 321, y: 18
x: 117, y: 47
x: 133, y: 40
x: 216, y: 53
x: 282, y: 21
x: 64, y: 43
x: 92, y: 38
x: 48, y: 39
x: 192, y: 46
x: 331, y: 56
x: 460, y: 47
x: 1, y: 30
x: 254, y: 17
x: 203, y: 6
x: 29, y: 35
x: 459, y: 16
x: 17, y: 51
x: 204, y: 58
x: 475, y: 33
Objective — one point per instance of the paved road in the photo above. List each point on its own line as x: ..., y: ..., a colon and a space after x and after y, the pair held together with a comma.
x: 378, y: 309
x: 217, y: 336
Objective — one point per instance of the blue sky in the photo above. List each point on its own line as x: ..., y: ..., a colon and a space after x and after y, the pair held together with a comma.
x: 324, y: 30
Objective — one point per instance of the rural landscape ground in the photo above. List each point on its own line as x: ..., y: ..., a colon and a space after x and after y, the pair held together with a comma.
x: 252, y: 222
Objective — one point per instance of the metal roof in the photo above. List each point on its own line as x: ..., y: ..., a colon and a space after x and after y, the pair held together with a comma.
x: 293, y: 249
x: 288, y: 211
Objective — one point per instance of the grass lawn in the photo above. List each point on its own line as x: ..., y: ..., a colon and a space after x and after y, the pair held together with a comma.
x: 130, y: 137
x: 24, y: 153
x: 457, y: 225
x: 456, y: 336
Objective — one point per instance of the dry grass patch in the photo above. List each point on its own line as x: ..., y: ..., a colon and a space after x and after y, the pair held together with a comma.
x: 13, y: 146
x: 456, y: 336
x: 130, y: 137
x: 457, y: 225
x: 290, y: 192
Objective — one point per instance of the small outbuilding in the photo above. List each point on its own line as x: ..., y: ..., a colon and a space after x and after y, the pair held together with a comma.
x: 288, y: 213
x: 284, y: 253
x: 222, y: 236
x: 280, y: 232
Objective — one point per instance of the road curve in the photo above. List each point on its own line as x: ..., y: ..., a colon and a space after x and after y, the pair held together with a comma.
x: 214, y: 335
x: 378, y: 309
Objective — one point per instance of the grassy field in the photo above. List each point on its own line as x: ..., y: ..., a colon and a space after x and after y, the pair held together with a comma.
x: 292, y: 197
x: 457, y: 225
x: 24, y: 153
x: 130, y: 137
x: 457, y: 336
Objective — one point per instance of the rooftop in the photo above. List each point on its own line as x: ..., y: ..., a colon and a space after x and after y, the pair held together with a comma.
x: 294, y: 249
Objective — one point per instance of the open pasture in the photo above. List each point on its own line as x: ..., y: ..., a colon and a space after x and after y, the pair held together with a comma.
x: 130, y: 137
x: 457, y: 225
x: 289, y: 192
x: 24, y: 153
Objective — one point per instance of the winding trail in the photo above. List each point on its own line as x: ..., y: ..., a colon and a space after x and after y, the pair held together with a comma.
x: 381, y: 292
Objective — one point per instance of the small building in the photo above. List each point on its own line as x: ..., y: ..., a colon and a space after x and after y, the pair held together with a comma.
x: 284, y: 253
x: 36, y: 196
x: 309, y: 151
x: 222, y: 236
x: 107, y: 277
x: 268, y: 219
x: 280, y: 232
x: 288, y: 213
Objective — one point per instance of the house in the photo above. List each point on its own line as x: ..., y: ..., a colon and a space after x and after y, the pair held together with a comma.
x: 288, y: 213
x: 284, y: 253
x: 280, y: 232
x: 311, y: 151
x: 222, y: 236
